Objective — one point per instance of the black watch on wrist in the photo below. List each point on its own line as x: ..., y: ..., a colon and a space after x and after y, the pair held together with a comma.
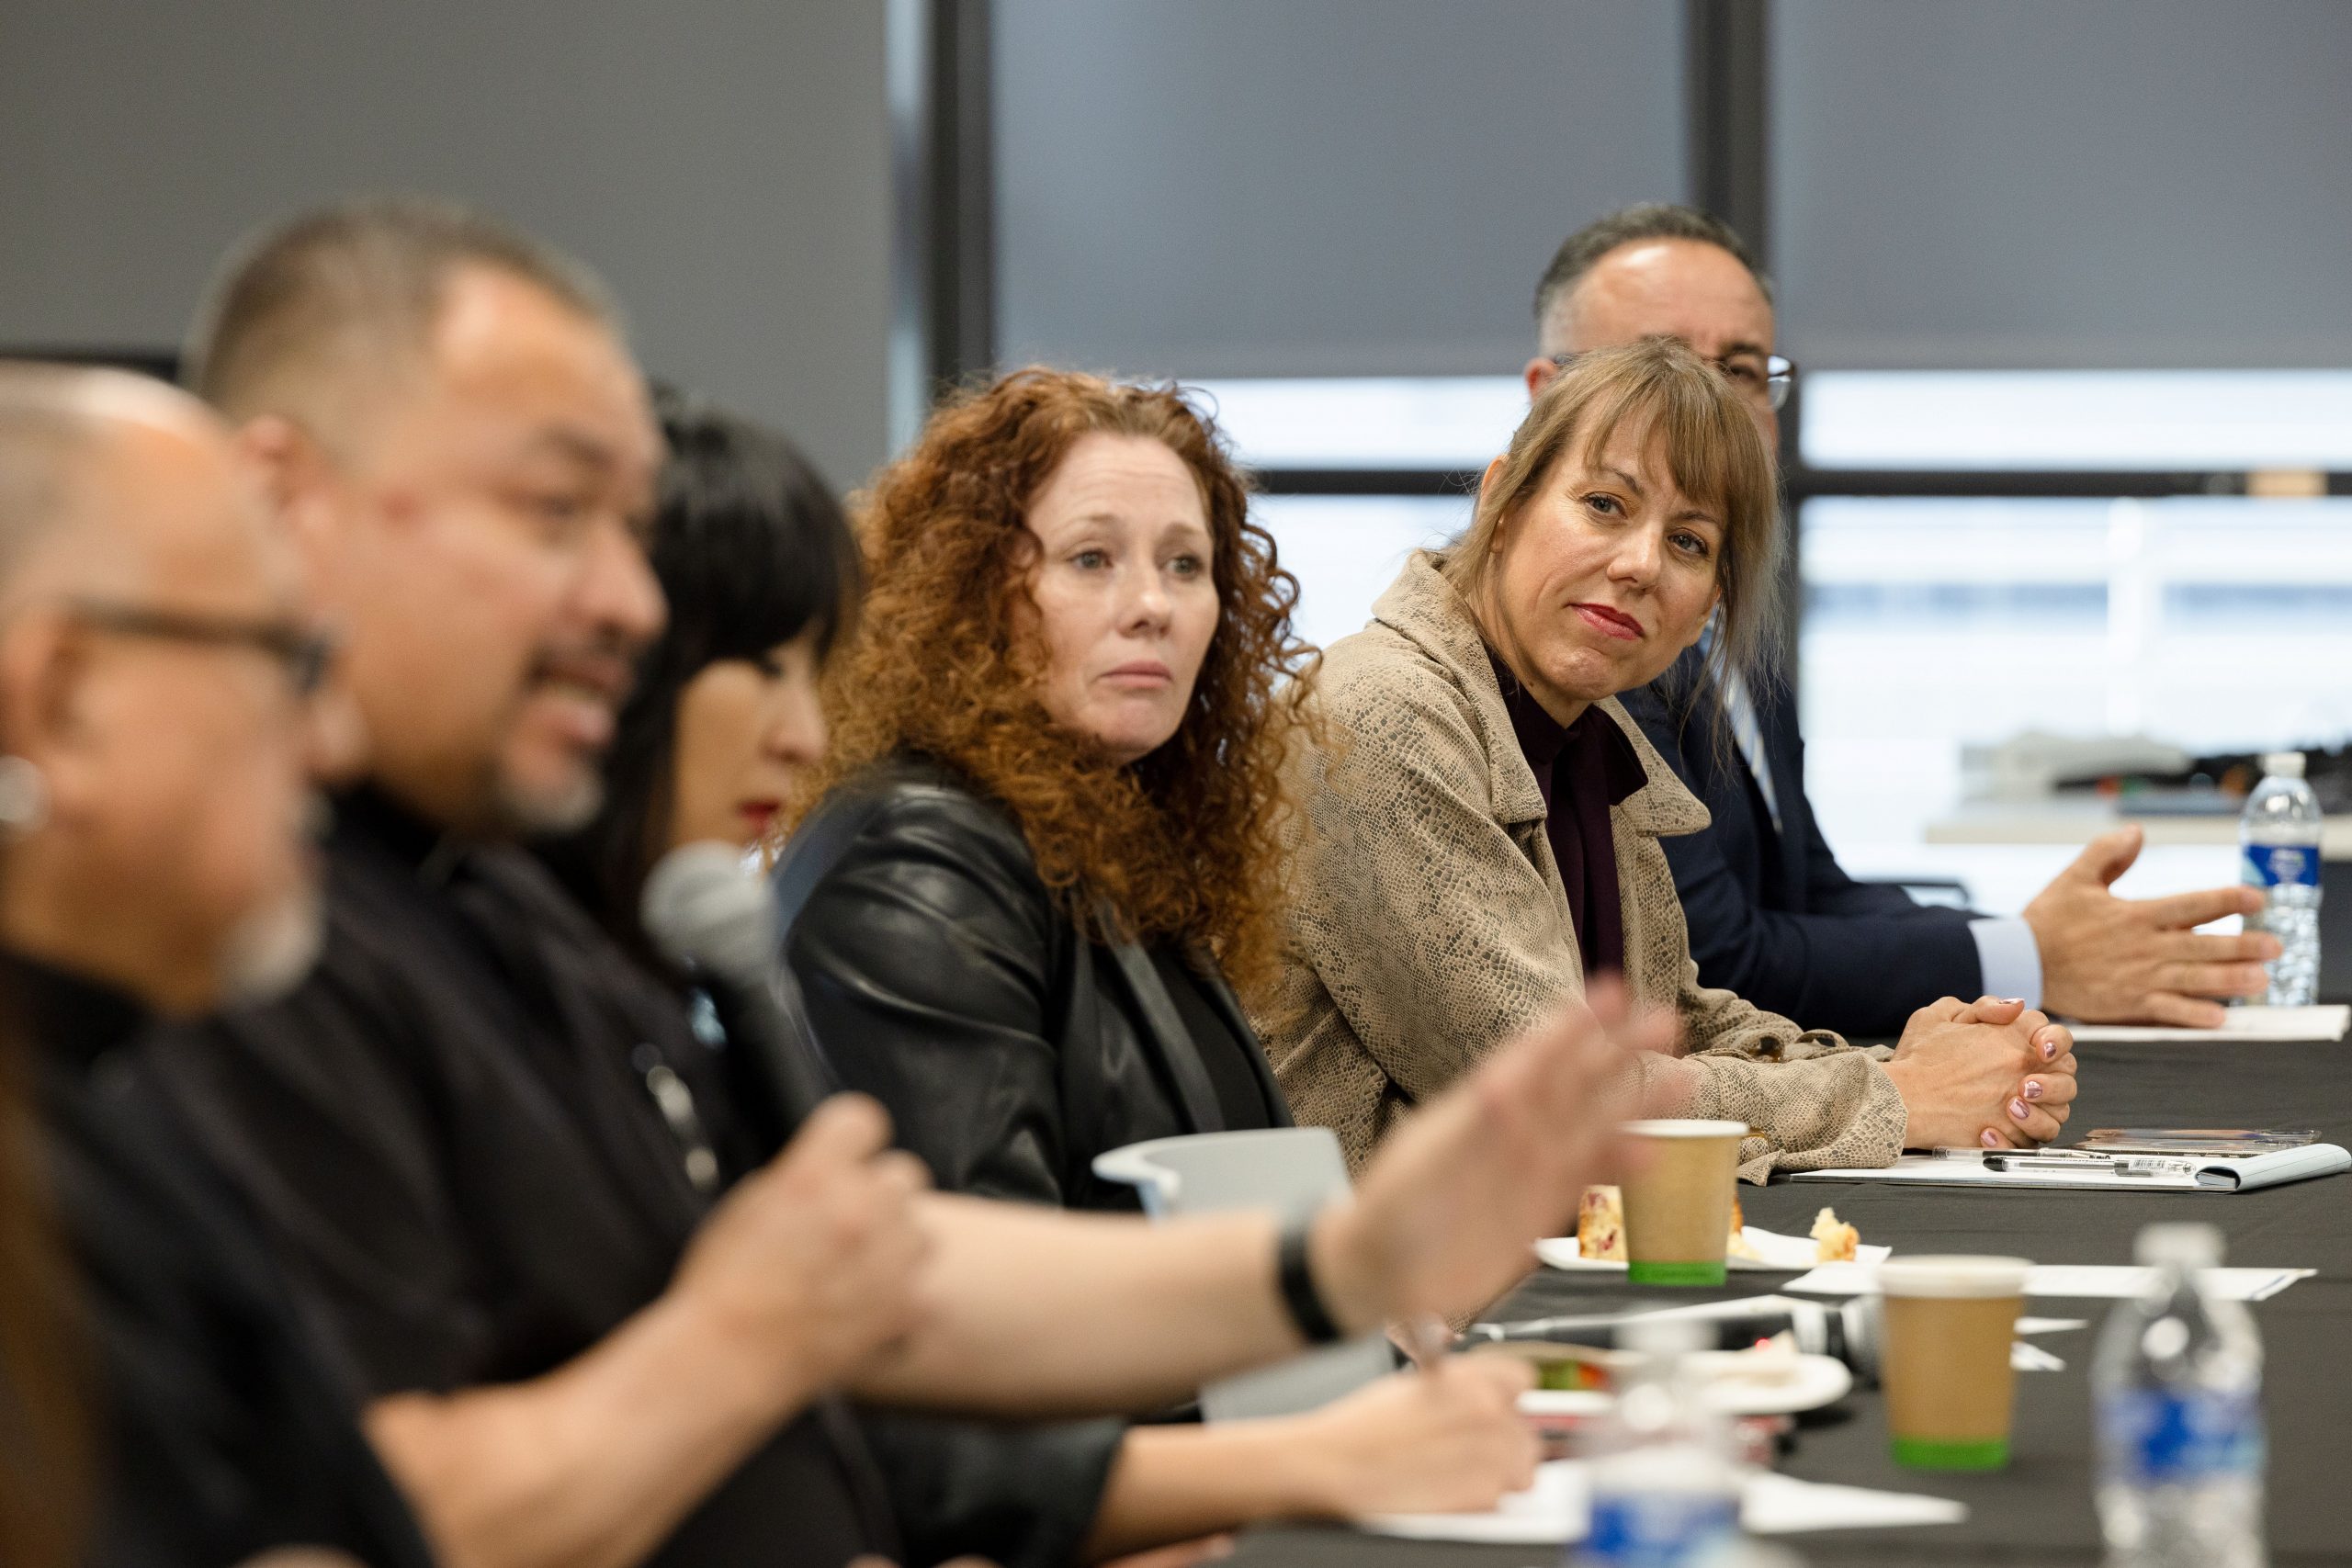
x: 1293, y: 1274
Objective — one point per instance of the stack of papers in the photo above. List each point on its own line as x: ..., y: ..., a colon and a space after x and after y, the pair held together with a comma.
x: 2284, y: 1024
x: 1557, y: 1510
x: 2099, y: 1281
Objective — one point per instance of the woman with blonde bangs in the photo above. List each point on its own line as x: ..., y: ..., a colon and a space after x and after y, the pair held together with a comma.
x: 1479, y: 840
x: 1046, y: 835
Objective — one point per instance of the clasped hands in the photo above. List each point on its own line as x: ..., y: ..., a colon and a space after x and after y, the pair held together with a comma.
x: 1991, y: 1074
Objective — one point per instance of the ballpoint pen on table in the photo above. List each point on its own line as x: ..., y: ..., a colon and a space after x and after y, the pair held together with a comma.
x: 2078, y: 1160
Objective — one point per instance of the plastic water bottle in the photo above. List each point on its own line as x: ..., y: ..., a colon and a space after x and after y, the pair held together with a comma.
x: 1665, y: 1490
x: 2280, y: 836
x: 2179, y: 1385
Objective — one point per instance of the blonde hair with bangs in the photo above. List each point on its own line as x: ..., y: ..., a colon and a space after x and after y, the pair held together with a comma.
x: 1712, y: 448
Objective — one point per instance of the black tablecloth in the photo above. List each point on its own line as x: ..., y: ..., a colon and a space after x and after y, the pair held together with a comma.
x: 2038, y: 1511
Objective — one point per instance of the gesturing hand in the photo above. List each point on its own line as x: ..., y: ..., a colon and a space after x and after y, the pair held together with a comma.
x: 1446, y: 1215
x: 1991, y: 1073
x: 2111, y: 959
x: 810, y: 1265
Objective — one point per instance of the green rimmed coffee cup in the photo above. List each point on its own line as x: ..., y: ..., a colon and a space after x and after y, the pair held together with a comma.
x: 1678, y: 1201
x: 1950, y: 1389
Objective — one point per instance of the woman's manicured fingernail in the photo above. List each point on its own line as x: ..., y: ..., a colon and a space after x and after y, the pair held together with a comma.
x: 2016, y: 1001
x: 2050, y: 1050
x: 2018, y: 1110
x: 2033, y: 1088
x: 1989, y: 1138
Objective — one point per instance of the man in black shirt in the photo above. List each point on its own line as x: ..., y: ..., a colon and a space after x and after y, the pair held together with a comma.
x: 476, y: 1131
x: 157, y: 739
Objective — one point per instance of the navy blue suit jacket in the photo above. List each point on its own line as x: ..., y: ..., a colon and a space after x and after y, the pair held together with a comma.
x: 1772, y: 915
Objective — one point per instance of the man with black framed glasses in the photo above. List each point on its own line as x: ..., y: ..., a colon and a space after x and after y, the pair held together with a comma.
x: 1772, y: 914
x: 158, y: 737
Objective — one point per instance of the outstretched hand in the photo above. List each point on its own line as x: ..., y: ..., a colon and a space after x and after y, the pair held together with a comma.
x: 2111, y: 959
x: 1445, y: 1217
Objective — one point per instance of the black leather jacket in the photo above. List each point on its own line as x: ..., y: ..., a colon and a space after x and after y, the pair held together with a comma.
x: 942, y: 979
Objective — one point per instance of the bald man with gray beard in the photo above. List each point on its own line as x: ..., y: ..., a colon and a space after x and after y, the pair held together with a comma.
x: 158, y: 738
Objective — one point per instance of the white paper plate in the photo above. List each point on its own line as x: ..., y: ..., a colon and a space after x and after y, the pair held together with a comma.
x: 1817, y: 1380
x: 1777, y: 1254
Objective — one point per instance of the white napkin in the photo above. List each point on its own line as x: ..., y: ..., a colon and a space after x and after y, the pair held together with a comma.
x: 2095, y: 1280
x: 2240, y: 1023
x: 1557, y: 1509
x: 1773, y: 1251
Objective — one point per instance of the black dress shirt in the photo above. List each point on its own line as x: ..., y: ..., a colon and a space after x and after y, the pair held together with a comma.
x: 450, y: 1132
x: 1583, y: 769
x: 224, y: 1428
x: 1241, y: 1090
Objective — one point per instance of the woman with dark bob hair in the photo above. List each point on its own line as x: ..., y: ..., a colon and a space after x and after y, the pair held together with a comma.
x: 761, y: 576
x: 1480, y: 839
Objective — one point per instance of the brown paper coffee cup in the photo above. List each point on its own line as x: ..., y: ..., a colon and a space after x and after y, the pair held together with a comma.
x: 1677, y: 1205
x: 1950, y: 1386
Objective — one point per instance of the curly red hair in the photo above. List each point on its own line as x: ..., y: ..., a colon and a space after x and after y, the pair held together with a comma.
x: 1182, y: 846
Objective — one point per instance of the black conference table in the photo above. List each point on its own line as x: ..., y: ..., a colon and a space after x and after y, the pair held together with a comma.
x: 2038, y: 1511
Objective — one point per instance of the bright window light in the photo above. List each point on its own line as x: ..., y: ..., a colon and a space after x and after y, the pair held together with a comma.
x: 2055, y: 420
x: 1346, y: 550
x: 1447, y: 422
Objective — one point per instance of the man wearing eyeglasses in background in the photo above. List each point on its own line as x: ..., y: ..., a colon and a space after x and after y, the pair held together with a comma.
x: 160, y: 725
x: 1772, y: 915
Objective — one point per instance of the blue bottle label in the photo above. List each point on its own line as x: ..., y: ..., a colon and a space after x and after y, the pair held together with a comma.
x: 2155, y: 1438
x: 1656, y: 1529
x: 2274, y: 865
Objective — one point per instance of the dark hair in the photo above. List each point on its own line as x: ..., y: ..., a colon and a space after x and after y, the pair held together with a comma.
x: 353, y: 287
x: 1581, y: 251
x: 752, y: 551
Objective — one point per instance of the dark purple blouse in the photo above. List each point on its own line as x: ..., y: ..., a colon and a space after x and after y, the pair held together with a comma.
x: 1583, y: 769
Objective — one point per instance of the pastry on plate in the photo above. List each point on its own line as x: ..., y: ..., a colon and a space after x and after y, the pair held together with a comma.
x: 1600, y: 1224
x: 1833, y: 1240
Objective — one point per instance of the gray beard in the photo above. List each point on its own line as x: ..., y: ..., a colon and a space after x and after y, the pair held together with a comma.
x: 271, y: 951
x: 531, y: 816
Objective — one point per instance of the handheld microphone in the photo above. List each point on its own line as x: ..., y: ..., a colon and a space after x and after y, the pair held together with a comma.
x: 712, y: 919
x: 1846, y: 1332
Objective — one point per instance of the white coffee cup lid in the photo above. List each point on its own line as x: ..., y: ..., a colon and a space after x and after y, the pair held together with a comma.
x: 1954, y: 1276
x: 1677, y: 1127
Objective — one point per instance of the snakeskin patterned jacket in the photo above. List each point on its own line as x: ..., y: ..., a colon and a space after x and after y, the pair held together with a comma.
x: 1428, y: 922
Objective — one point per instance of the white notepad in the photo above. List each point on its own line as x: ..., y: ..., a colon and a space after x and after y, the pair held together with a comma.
x: 1557, y: 1508
x: 2285, y: 1026
x: 2200, y: 1173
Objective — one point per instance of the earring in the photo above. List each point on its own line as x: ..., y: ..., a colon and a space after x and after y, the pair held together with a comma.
x: 24, y: 795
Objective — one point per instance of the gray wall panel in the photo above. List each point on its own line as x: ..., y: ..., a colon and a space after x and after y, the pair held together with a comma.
x: 1222, y: 187
x: 2029, y: 183
x: 724, y: 163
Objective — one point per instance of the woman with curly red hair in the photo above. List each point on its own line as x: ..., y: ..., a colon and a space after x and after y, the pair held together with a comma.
x: 1049, y: 833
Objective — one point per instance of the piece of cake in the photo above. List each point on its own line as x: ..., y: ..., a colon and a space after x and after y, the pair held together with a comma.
x: 1737, y: 1244
x: 1833, y: 1240
x: 1600, y: 1224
